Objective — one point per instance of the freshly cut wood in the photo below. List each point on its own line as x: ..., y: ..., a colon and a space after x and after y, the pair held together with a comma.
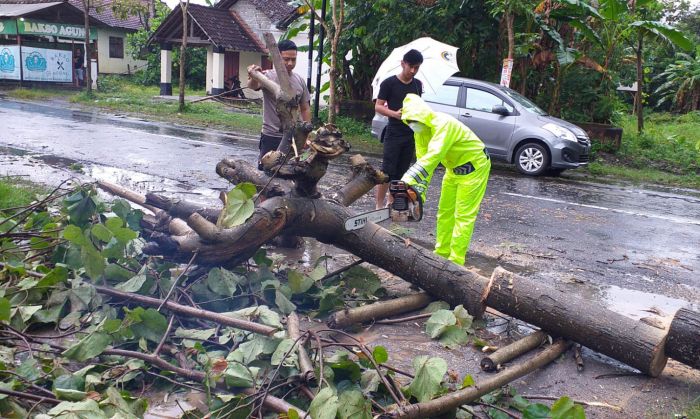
x: 507, y: 353
x: 455, y: 399
x: 379, y: 310
x: 306, y: 368
x: 683, y: 343
x: 189, y: 311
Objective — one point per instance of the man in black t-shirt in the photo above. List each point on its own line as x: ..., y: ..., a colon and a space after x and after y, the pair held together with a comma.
x: 399, y: 147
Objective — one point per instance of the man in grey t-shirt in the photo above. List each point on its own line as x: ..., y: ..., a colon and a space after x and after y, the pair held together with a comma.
x: 271, y: 129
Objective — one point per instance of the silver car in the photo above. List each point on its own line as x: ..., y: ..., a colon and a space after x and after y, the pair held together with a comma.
x: 513, y: 128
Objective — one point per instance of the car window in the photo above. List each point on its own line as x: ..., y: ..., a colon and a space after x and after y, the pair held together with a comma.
x: 480, y: 100
x: 445, y: 95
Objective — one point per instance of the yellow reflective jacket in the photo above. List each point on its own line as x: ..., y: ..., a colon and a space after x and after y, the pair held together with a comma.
x: 447, y: 141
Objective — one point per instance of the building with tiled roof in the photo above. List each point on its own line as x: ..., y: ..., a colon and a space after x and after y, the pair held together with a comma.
x: 232, y: 32
x: 53, y: 32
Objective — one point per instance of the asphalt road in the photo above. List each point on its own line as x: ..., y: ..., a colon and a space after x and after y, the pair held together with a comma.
x: 632, y: 247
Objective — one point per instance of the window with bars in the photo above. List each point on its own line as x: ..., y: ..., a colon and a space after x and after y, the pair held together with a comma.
x: 116, y: 47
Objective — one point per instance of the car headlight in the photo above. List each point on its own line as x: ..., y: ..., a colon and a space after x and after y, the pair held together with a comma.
x: 560, y: 132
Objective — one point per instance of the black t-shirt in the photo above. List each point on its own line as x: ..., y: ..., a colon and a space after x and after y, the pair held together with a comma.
x: 394, y: 91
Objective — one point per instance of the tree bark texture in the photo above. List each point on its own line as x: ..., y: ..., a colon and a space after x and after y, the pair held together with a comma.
x: 306, y: 367
x: 379, y: 310
x: 493, y: 361
x: 683, y: 342
x: 183, y: 52
x: 455, y: 399
x: 88, y: 48
x: 567, y: 315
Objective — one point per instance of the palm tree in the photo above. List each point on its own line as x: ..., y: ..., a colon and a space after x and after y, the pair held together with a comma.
x: 682, y: 85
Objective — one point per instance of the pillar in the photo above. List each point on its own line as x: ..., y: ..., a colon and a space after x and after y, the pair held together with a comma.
x: 217, y: 71
x: 166, y: 69
x: 210, y: 65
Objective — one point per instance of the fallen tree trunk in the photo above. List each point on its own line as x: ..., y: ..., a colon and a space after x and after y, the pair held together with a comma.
x: 588, y: 323
x: 683, y: 342
x: 458, y: 398
x: 379, y: 310
x: 493, y: 361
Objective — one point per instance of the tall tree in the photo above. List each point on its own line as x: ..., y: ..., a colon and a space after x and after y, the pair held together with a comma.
x: 87, y: 5
x: 184, y: 5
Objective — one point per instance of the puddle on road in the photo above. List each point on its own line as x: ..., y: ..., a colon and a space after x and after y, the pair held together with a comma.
x: 635, y: 304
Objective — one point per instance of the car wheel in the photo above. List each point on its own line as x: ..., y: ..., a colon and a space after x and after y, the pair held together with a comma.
x: 532, y: 159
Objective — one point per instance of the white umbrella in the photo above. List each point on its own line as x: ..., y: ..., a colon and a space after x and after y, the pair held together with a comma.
x: 439, y: 63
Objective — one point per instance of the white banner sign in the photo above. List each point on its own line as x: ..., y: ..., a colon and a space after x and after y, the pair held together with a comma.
x: 40, y: 64
x: 9, y: 62
x: 506, y: 72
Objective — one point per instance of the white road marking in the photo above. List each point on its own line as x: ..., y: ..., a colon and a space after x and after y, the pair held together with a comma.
x: 619, y: 211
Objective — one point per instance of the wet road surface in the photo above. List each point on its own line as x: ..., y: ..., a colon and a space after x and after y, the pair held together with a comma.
x: 633, y: 248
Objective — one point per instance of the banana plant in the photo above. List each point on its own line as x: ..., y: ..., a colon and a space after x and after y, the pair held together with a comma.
x: 682, y: 83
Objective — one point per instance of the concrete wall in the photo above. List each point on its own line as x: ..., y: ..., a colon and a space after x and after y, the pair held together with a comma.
x: 114, y: 65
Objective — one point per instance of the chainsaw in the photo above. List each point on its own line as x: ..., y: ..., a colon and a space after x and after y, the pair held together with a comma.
x: 406, y: 205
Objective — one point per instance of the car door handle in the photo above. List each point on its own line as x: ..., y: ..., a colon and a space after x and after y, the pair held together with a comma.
x: 467, y: 115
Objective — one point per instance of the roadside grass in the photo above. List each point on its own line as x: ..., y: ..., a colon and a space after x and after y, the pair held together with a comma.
x: 23, y: 93
x: 119, y: 94
x: 667, y: 152
x: 17, y: 192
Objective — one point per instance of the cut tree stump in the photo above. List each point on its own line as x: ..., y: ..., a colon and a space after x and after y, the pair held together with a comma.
x: 683, y: 342
x: 493, y: 361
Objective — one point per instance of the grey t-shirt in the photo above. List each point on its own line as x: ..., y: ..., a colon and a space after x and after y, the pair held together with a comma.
x: 271, y: 120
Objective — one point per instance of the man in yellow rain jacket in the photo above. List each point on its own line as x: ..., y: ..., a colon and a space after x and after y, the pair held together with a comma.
x: 441, y: 138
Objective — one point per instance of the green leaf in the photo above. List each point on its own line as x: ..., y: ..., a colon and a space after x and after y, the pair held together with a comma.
x: 114, y: 223
x: 101, y: 232
x: 464, y: 319
x: 134, y: 284
x: 69, y: 394
x: 74, y: 234
x: 86, y: 409
x: 250, y: 350
x: 88, y: 347
x: 324, y: 405
x: 454, y: 336
x: 292, y: 414
x: 564, y: 408
x: 54, y: 276
x: 26, y: 312
x: 536, y: 411
x: 149, y: 324
x: 283, y: 303
x: 380, y: 354
x: 436, y: 306
x: 428, y: 376
x: 93, y: 261
x: 29, y: 369
x: 468, y: 381
x: 239, y: 206
x: 298, y: 282
x: 278, y: 357
x: 223, y: 282
x: 5, y: 308
x: 200, y: 334
x: 238, y: 375
x: 369, y: 381
x: 665, y: 33
x: 125, y: 235
x: 362, y: 280
x: 353, y: 405
x: 438, y: 322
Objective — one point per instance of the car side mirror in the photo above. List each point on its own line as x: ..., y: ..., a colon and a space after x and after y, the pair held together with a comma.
x: 501, y: 110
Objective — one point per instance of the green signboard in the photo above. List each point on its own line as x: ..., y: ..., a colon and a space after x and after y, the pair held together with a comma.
x: 8, y: 27
x: 62, y: 30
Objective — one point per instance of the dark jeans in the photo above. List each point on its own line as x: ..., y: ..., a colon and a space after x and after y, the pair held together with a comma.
x: 399, y: 151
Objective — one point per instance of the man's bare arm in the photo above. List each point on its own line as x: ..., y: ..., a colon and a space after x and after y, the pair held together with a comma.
x: 305, y: 110
x: 381, y: 108
x: 252, y: 83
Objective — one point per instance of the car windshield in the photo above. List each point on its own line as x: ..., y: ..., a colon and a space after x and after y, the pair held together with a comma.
x: 523, y: 101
